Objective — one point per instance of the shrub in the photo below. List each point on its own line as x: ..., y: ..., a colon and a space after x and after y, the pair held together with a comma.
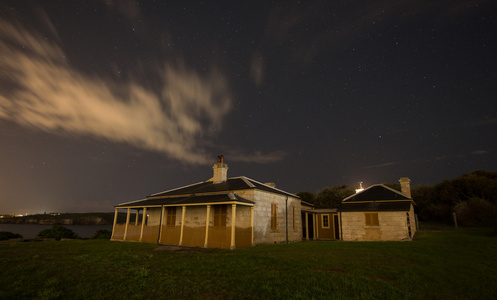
x: 6, y: 235
x: 58, y: 232
x: 102, y: 234
x: 476, y: 213
x: 439, y: 213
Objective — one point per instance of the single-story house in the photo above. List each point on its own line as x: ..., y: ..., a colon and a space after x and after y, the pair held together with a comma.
x: 240, y: 212
x: 221, y: 212
x: 378, y: 213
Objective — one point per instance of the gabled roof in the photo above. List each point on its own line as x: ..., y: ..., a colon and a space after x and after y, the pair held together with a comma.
x: 377, y: 197
x: 377, y: 192
x: 192, y: 199
x: 231, y: 184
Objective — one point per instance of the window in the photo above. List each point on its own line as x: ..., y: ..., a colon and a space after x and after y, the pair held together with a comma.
x: 372, y: 219
x: 274, y: 216
x: 325, y: 221
x: 220, y: 215
x: 171, y: 216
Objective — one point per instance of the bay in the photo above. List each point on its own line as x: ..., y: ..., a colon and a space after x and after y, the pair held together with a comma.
x: 29, y: 231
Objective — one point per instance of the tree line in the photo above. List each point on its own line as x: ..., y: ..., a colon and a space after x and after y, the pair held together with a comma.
x: 472, y: 197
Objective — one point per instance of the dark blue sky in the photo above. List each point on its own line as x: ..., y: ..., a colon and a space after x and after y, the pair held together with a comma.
x: 104, y: 102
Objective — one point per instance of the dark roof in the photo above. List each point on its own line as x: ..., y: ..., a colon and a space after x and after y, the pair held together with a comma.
x: 376, y: 206
x: 377, y: 192
x: 303, y: 203
x: 193, y: 199
x: 231, y: 184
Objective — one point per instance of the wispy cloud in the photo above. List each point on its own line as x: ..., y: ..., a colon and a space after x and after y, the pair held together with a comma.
x: 487, y: 121
x: 257, y: 69
x: 257, y: 157
x: 127, y: 8
x: 47, y: 94
x: 288, y: 22
x: 479, y: 152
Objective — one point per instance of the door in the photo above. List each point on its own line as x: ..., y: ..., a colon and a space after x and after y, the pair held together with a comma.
x: 337, y: 229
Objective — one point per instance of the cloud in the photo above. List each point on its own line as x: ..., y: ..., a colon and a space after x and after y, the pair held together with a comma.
x: 488, y: 121
x: 46, y: 94
x: 127, y: 8
x: 342, y: 24
x: 257, y: 69
x: 479, y: 152
x: 257, y: 157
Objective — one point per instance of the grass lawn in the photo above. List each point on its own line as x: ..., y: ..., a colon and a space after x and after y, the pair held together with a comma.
x: 448, y: 264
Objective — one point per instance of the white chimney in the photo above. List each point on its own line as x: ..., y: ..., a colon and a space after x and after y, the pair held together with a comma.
x: 405, y: 186
x: 220, y: 170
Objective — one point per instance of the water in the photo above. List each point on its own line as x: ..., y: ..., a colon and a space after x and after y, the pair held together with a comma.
x: 29, y: 231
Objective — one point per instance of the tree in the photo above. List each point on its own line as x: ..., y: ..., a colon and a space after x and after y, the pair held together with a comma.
x: 424, y: 197
x: 306, y: 196
x: 436, y: 203
x: 394, y: 186
x: 332, y: 197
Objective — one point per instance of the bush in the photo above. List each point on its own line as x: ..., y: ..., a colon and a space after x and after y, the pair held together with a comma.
x: 5, y: 235
x: 476, y: 213
x: 102, y: 234
x: 439, y: 213
x: 58, y: 232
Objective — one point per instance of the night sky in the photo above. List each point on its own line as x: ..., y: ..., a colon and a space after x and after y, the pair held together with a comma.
x: 105, y: 102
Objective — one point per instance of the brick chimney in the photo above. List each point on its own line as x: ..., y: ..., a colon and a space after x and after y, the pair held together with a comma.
x: 220, y: 170
x: 405, y: 186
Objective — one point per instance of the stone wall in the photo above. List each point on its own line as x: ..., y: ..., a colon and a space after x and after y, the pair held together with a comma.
x: 392, y: 226
x: 263, y: 234
x: 412, y: 218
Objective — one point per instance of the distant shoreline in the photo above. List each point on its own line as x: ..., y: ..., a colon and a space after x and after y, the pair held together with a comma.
x: 30, y: 232
x: 63, y: 219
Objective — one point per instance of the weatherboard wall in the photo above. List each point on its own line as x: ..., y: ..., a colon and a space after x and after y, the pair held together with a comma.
x: 194, y: 228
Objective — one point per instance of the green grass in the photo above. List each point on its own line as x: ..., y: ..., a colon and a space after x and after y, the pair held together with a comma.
x: 452, y: 264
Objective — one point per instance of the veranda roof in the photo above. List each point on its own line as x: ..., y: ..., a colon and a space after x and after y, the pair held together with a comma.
x: 227, y: 197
